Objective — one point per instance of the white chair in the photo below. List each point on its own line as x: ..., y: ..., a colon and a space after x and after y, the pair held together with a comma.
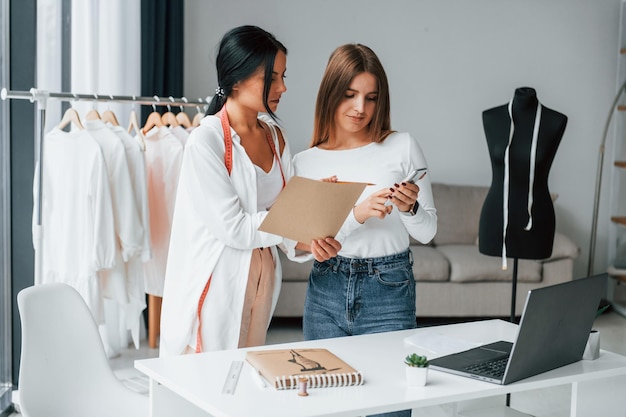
x: 64, y: 371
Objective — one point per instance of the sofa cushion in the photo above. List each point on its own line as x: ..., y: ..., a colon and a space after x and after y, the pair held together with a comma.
x: 562, y: 248
x: 458, y: 212
x: 429, y: 264
x: 467, y: 264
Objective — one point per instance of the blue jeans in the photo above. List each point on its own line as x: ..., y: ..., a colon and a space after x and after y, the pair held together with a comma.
x: 348, y: 296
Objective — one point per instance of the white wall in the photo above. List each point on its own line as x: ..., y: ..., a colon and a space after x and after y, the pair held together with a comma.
x: 447, y: 61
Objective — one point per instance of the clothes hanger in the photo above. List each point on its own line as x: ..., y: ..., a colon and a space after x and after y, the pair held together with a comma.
x: 109, y: 116
x: 133, y: 124
x: 93, y: 113
x: 153, y: 120
x: 70, y: 116
x: 182, y: 117
x: 168, y: 118
x: 196, y: 119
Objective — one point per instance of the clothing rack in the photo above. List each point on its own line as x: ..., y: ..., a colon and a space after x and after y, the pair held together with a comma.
x: 42, y: 97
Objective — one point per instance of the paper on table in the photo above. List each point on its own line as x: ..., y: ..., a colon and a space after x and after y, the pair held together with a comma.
x: 311, y: 209
x: 438, y: 343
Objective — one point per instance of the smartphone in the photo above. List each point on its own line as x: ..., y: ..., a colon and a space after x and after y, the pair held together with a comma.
x: 415, y: 175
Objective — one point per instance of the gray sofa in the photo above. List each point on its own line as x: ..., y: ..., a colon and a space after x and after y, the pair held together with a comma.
x: 453, y: 278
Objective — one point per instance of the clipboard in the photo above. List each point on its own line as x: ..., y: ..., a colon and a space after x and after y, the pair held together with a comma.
x: 309, y: 209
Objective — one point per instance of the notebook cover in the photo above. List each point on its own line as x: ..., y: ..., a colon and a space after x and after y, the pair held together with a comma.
x: 284, y: 367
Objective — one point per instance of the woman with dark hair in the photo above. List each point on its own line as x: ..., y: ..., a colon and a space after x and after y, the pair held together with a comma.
x: 223, y: 275
x: 369, y: 287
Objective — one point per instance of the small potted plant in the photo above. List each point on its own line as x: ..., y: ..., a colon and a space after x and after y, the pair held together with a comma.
x: 416, y: 370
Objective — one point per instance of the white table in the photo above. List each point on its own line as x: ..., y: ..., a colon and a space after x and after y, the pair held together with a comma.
x: 192, y: 385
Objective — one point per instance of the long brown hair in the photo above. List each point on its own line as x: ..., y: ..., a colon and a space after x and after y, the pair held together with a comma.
x: 345, y: 63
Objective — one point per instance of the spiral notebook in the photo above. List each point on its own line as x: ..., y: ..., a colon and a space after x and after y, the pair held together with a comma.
x: 283, y: 368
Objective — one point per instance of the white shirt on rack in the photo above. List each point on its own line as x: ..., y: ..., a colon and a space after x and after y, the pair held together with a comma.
x: 164, y: 155
x: 127, y: 223
x: 181, y: 133
x: 78, y: 237
x: 134, y: 266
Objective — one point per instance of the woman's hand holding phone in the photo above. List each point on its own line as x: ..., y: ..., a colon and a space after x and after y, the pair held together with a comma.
x: 415, y: 175
x: 406, y: 192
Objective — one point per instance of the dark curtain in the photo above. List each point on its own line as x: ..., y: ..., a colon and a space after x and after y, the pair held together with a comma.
x: 161, y: 50
x: 23, y: 35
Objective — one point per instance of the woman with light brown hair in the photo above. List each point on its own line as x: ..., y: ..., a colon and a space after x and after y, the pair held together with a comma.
x: 369, y: 287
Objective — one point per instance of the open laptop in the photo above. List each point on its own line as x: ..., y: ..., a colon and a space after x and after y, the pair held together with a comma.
x: 553, y: 332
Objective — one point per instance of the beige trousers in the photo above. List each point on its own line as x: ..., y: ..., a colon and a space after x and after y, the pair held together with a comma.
x: 257, y: 305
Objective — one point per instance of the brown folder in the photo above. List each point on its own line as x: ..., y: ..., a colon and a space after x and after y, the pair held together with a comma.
x: 284, y: 368
x: 311, y: 209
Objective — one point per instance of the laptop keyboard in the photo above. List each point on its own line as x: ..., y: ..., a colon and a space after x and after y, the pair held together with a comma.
x: 494, y: 368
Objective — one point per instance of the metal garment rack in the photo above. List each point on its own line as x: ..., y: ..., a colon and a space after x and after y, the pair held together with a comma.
x: 596, y: 199
x: 42, y: 97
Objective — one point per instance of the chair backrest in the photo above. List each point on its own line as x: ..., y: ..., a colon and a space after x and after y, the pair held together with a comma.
x: 64, y: 370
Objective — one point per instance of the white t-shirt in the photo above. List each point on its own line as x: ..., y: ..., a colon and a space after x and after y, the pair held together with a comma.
x: 382, y: 164
x: 269, y: 185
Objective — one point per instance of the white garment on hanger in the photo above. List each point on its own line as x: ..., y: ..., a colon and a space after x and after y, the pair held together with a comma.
x: 128, y: 230
x: 164, y: 155
x: 181, y: 133
x: 106, y: 38
x: 134, y: 266
x: 138, y: 174
x: 77, y: 217
x: 127, y: 222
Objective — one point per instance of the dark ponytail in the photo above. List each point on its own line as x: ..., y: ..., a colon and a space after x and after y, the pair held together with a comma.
x: 241, y: 52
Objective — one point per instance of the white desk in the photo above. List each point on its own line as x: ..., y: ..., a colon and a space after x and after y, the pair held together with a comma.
x: 191, y: 385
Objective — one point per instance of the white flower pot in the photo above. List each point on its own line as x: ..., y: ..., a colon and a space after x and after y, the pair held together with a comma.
x: 416, y: 377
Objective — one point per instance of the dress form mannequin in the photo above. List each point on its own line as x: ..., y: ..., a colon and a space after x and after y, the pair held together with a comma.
x: 527, y: 188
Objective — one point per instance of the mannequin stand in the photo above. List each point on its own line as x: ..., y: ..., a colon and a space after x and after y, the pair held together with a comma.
x: 512, y: 318
x: 513, y: 290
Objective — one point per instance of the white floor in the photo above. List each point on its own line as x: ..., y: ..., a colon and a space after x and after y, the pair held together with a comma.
x: 611, y: 326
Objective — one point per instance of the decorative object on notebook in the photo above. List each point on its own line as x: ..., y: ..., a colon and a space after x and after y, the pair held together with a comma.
x: 416, y: 370
x: 321, y: 368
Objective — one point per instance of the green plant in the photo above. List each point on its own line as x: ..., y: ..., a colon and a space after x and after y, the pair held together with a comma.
x: 416, y: 360
x: 602, y: 310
